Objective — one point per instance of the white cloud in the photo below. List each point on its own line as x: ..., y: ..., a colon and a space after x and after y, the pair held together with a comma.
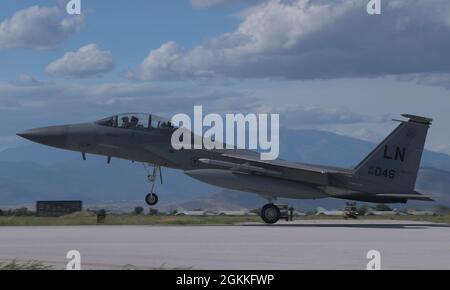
x: 297, y: 116
x: 66, y: 98
x: 304, y: 115
x: 308, y: 39
x: 265, y: 29
x: 429, y: 79
x: 89, y: 60
x: 160, y: 63
x: 38, y: 27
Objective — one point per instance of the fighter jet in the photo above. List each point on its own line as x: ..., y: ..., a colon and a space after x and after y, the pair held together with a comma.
x: 387, y: 175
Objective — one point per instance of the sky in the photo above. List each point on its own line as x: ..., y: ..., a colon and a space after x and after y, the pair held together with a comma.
x: 320, y: 64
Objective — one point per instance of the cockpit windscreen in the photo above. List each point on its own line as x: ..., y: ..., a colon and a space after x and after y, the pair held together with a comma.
x: 136, y: 120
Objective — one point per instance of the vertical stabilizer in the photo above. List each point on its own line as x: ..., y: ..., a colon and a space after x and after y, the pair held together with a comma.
x: 394, y: 163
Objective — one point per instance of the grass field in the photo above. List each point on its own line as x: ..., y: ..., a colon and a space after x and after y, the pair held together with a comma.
x: 127, y: 220
x: 180, y: 220
x: 23, y: 265
x: 15, y: 265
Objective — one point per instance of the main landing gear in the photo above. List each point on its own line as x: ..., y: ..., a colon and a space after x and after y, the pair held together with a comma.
x: 271, y: 213
x: 152, y: 199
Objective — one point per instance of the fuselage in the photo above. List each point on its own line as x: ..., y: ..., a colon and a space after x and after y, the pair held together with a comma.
x: 148, y: 139
x: 154, y: 146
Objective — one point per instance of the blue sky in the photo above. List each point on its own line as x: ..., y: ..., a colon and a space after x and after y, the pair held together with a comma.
x: 128, y: 31
x: 321, y: 64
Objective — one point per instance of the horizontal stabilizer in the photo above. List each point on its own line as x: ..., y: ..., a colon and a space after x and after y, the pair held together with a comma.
x: 418, y: 119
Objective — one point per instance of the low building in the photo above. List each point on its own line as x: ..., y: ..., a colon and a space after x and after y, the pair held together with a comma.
x: 58, y: 208
x: 191, y: 213
x: 234, y: 212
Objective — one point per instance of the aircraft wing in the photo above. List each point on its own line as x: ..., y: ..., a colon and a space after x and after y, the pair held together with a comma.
x: 249, y: 156
x: 249, y: 161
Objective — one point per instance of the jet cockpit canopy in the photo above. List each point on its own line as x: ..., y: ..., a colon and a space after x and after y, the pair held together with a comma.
x: 136, y: 120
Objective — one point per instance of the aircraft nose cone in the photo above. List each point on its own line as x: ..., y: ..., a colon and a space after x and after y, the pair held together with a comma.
x: 52, y: 136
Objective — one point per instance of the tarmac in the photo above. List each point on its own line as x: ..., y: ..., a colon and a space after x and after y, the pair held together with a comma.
x: 324, y: 244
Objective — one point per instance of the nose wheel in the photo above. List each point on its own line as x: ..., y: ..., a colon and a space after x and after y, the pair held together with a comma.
x: 152, y: 199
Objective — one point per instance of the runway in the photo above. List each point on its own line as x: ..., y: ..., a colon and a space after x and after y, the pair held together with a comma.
x: 298, y: 245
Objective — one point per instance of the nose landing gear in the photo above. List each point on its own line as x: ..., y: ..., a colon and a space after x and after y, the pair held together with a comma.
x: 152, y: 199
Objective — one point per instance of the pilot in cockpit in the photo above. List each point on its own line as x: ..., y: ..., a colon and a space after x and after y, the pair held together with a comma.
x: 125, y: 122
x: 166, y: 125
x: 134, y: 122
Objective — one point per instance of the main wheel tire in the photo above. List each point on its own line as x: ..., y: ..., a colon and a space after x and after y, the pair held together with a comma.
x: 151, y: 199
x: 270, y: 213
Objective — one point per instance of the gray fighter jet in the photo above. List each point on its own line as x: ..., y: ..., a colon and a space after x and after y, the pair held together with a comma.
x: 387, y: 175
